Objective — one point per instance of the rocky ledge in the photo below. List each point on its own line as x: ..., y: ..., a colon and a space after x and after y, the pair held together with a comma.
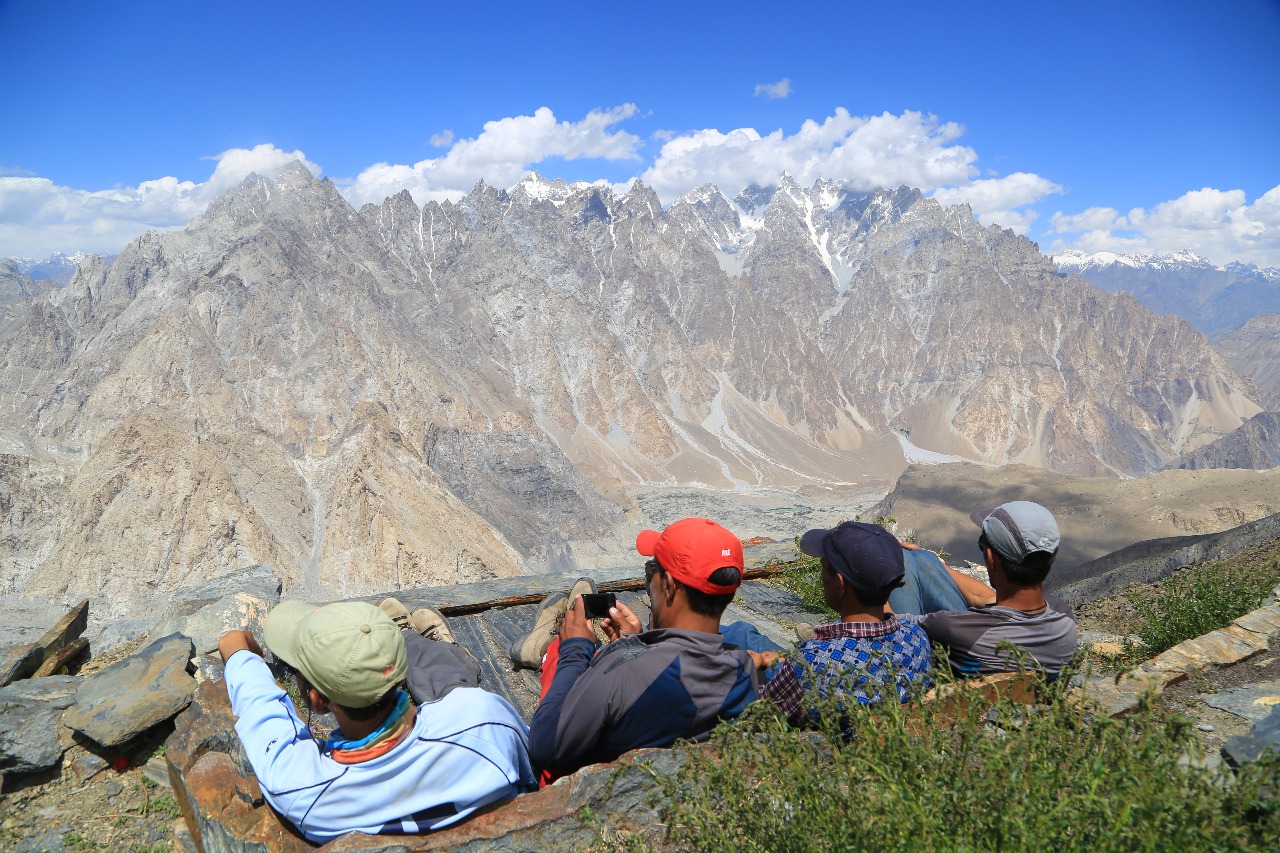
x: 167, y: 696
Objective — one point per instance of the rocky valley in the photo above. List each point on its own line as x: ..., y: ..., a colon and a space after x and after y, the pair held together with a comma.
x: 410, y: 395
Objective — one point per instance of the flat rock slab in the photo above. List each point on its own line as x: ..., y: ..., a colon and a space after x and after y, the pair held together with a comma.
x: 1248, y: 747
x: 134, y: 694
x: 19, y: 661
x: 1253, y: 702
x: 66, y: 629
x: 205, y: 623
x: 259, y: 581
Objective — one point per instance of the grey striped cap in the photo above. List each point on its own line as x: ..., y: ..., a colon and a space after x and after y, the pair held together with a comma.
x: 1018, y: 529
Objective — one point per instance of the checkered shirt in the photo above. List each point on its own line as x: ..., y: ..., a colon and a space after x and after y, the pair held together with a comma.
x: 865, y: 654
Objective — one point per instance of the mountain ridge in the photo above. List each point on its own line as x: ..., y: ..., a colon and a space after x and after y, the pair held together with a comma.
x: 469, y: 389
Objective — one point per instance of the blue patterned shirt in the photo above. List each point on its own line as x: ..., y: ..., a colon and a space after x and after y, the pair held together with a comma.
x: 866, y: 655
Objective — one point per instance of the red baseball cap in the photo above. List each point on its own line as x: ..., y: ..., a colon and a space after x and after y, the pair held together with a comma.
x: 691, y: 550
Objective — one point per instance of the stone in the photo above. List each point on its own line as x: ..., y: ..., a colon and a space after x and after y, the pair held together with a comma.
x: 134, y: 694
x: 46, y: 842
x: 57, y: 689
x: 225, y: 810
x: 206, y: 624
x: 222, y: 806
x: 617, y: 794
x: 1219, y: 648
x: 30, y: 713
x: 1253, y: 702
x: 86, y: 765
x: 157, y: 770
x: 78, y: 648
x: 1249, y: 746
x: 1264, y: 620
x: 66, y: 629
x: 19, y: 661
x: 121, y: 632
x: 29, y: 739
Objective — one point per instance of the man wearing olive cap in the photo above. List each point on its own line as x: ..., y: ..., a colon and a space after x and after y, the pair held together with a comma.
x: 1019, y: 542
x: 869, y: 651
x: 390, y: 767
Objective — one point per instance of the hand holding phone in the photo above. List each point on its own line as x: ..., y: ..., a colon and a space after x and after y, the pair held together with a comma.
x: 596, y: 604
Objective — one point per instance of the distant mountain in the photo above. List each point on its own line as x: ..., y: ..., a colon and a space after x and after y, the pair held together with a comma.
x: 1255, y: 445
x: 1253, y: 351
x: 57, y: 268
x: 407, y: 395
x: 1211, y: 298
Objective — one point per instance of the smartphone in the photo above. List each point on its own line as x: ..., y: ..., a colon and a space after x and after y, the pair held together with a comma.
x: 596, y: 604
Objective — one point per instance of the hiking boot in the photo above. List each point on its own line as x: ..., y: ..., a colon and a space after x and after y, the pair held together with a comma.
x: 527, y: 651
x: 399, y: 614
x: 804, y: 631
x: 584, y: 586
x: 431, y: 624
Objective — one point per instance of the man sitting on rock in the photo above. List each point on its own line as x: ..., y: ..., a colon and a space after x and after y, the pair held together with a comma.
x: 971, y: 620
x: 648, y: 688
x: 869, y: 649
x: 390, y: 767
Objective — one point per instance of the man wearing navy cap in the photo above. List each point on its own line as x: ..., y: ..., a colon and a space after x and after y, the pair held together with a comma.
x: 869, y: 650
x: 1019, y: 543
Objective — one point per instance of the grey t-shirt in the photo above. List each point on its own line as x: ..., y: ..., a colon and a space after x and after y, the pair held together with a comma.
x: 972, y: 637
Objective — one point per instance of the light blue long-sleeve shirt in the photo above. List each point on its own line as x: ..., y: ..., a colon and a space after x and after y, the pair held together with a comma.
x: 466, y: 750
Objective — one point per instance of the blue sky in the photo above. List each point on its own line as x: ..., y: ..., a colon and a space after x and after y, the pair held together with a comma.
x: 1120, y: 126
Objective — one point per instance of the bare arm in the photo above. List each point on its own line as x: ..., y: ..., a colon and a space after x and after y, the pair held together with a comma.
x: 975, y: 592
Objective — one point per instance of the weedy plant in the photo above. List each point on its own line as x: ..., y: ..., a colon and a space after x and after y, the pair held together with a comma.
x: 966, y: 774
x: 1201, y: 599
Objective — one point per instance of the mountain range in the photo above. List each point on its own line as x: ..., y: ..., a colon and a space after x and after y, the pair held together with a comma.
x: 1212, y: 298
x: 411, y: 395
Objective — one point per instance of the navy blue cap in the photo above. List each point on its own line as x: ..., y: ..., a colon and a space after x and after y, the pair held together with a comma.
x: 866, y: 555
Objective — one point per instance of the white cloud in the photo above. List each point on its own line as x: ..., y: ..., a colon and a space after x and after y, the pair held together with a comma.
x: 443, y: 139
x: 774, y: 91
x: 39, y: 217
x: 1093, y: 219
x: 1221, y: 225
x: 995, y: 200
x: 867, y: 151
x: 501, y: 155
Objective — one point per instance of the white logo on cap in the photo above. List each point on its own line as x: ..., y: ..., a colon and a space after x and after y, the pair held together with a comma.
x: 725, y: 553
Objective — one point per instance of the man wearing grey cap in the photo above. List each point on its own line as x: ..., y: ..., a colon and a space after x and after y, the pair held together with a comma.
x: 869, y: 652
x: 1019, y: 542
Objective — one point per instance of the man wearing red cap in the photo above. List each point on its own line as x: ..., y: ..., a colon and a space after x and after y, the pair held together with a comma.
x: 650, y: 688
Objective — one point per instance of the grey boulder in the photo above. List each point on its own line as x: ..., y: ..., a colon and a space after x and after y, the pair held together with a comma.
x: 30, y: 713
x: 134, y: 694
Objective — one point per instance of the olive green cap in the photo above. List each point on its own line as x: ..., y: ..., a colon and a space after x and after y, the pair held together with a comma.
x: 350, y: 650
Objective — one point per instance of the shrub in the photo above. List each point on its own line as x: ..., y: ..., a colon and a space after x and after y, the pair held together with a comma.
x: 930, y: 776
x: 1201, y: 599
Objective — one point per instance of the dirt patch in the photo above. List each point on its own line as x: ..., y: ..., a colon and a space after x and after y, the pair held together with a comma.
x: 90, y: 805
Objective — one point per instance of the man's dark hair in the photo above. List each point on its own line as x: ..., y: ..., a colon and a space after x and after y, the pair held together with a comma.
x: 706, y: 604
x: 865, y: 598
x: 385, y: 701
x: 357, y: 714
x: 1032, y: 571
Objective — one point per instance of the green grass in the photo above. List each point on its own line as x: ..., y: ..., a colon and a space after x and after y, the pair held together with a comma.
x: 803, y: 577
x: 1049, y: 776
x: 1200, y: 599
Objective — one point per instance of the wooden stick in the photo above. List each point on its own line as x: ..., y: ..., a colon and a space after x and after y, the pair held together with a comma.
x: 627, y: 585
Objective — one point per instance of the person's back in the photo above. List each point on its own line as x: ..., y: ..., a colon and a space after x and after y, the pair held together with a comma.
x: 869, y: 653
x: 1019, y: 543
x: 647, y: 690
x: 392, y: 767
x: 653, y: 687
